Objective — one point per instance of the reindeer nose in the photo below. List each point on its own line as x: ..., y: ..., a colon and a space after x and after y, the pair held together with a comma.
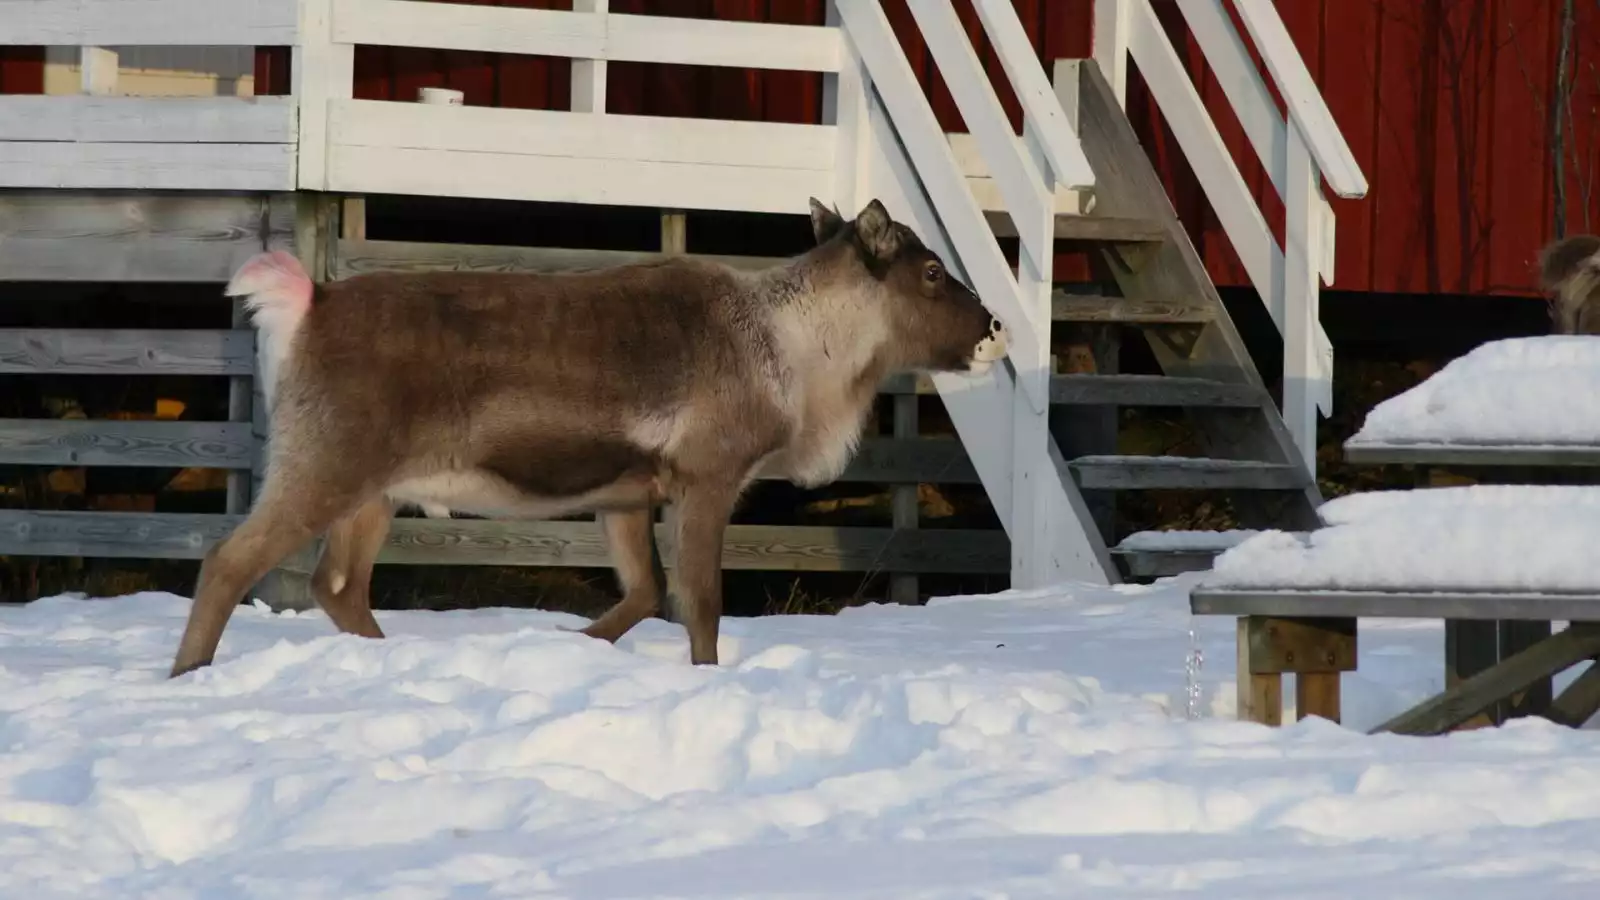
x: 994, y: 346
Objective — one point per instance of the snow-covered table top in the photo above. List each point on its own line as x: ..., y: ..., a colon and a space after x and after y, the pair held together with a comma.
x: 1538, y: 391
x: 1506, y: 538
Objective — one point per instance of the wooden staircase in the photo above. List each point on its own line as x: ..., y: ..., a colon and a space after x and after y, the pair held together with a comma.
x: 1153, y: 282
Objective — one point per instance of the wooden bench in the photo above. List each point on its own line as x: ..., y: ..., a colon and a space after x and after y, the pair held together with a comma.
x: 1440, y: 423
x: 1475, y: 645
x: 1313, y: 634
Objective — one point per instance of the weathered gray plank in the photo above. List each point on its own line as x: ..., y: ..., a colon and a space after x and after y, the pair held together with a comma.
x: 1444, y: 711
x: 1444, y: 603
x: 916, y: 460
x: 1066, y: 307
x: 240, y: 409
x: 152, y: 22
x: 111, y: 534
x: 1472, y: 646
x: 164, y: 120
x: 113, y: 442
x: 1575, y: 455
x: 1173, y: 472
x: 1579, y: 702
x: 908, y: 383
x: 354, y: 257
x: 89, y: 351
x: 768, y: 547
x: 879, y: 460
x: 1071, y: 227
x: 482, y: 542
x: 1149, y: 390
x: 1163, y: 563
x: 904, y: 502
x: 144, y: 166
x: 131, y: 236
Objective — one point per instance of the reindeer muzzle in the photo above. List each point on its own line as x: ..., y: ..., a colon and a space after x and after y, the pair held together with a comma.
x: 993, y: 347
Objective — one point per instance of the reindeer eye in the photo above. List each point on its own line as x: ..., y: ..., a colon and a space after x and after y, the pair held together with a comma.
x: 933, y: 272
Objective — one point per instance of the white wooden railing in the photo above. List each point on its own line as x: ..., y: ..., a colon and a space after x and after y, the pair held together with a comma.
x: 100, y: 138
x: 1003, y: 421
x: 879, y: 138
x: 1299, y: 150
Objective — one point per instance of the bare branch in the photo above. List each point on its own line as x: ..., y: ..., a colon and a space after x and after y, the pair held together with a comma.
x: 1562, y: 103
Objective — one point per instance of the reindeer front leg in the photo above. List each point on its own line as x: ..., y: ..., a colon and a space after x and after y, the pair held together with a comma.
x: 703, y: 514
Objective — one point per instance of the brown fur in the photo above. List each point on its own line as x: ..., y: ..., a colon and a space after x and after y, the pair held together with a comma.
x: 1569, y: 272
x: 615, y: 391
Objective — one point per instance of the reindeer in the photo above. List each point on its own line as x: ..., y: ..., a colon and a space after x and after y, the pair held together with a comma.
x: 1569, y: 272
x: 614, y: 391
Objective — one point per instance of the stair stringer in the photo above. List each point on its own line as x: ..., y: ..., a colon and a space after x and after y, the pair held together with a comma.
x: 1127, y: 184
x: 981, y: 408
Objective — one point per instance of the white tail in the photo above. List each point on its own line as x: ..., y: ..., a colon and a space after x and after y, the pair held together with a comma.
x: 279, y: 296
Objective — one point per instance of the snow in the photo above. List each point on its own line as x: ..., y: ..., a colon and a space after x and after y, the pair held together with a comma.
x: 1020, y: 745
x: 1524, y: 391
x: 1478, y: 537
x: 1179, y: 539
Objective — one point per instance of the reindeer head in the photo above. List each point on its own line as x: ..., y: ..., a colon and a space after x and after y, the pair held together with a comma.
x: 935, y: 321
x: 1569, y: 273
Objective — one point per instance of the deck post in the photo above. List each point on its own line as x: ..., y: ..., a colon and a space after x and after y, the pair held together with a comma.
x: 1112, y: 31
x: 316, y: 232
x: 589, y: 75
x: 1302, y: 371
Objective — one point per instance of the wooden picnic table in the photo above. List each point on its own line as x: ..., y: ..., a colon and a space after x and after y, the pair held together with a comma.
x: 1473, y: 645
x: 1313, y: 634
x: 1462, y: 454
x: 1500, y: 652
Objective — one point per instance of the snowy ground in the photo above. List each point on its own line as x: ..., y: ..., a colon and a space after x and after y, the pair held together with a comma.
x: 1019, y: 746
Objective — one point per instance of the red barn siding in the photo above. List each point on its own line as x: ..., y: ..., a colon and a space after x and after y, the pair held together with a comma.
x: 21, y: 70
x: 1443, y: 102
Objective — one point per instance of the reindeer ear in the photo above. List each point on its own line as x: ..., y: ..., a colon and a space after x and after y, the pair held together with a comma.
x: 875, y: 231
x: 825, y: 222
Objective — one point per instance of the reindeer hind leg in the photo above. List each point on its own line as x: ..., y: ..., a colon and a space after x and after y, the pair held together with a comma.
x: 296, y: 504
x: 342, y: 584
x: 630, y: 536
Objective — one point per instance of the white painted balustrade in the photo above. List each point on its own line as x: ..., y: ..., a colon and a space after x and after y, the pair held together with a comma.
x: 879, y: 138
x: 1299, y: 151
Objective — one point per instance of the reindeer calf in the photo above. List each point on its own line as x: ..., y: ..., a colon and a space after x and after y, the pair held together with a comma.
x: 613, y: 391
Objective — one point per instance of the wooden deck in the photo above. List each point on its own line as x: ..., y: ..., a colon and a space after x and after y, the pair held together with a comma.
x: 96, y: 186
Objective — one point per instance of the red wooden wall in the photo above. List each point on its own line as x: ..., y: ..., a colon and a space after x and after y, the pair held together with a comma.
x: 1444, y: 103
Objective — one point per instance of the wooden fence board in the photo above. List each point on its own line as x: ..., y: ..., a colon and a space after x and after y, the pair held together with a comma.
x: 355, y: 257
x: 541, y: 543
x: 165, y: 120
x: 113, y: 236
x: 130, y: 351
x: 113, y: 442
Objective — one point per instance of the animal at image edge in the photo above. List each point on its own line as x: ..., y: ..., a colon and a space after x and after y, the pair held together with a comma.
x: 1569, y: 272
x: 539, y: 395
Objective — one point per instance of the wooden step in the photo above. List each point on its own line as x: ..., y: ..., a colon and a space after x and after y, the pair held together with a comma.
x: 1152, y: 564
x: 1065, y: 307
x: 1150, y: 390
x: 1073, y: 227
x: 1162, y: 554
x: 1183, y: 473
